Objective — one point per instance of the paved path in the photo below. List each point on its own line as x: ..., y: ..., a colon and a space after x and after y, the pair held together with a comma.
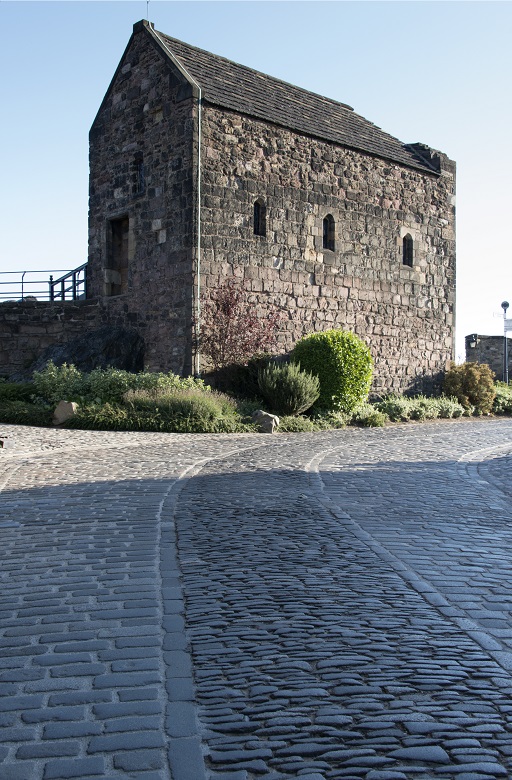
x: 331, y: 606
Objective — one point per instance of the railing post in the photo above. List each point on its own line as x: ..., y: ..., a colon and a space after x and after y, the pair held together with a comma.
x: 73, y: 285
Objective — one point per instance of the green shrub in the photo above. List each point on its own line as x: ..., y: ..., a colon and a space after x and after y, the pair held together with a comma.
x: 369, y: 416
x: 423, y: 408
x: 23, y: 413
x: 16, y: 391
x: 240, y: 379
x: 502, y: 402
x: 449, y: 407
x: 399, y: 408
x: 59, y: 383
x: 396, y: 407
x: 296, y: 424
x: 103, y: 385
x: 209, y: 405
x: 343, y: 364
x: 472, y: 384
x: 110, y: 385
x: 287, y: 389
x: 187, y: 410
x: 326, y: 421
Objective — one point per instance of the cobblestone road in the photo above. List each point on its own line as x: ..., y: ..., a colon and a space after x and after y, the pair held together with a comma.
x: 333, y: 606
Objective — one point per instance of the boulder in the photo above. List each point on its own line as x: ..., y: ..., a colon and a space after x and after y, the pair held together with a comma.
x: 267, y: 423
x: 107, y: 347
x: 64, y: 411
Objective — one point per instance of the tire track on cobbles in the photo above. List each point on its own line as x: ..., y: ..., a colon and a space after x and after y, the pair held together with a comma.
x: 313, y: 657
x: 89, y: 596
x: 266, y: 639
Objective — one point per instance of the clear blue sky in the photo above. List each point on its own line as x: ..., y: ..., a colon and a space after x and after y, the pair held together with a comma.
x: 436, y: 72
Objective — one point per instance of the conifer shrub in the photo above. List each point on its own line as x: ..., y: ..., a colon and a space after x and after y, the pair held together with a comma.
x: 343, y: 364
x: 287, y: 389
x: 472, y: 384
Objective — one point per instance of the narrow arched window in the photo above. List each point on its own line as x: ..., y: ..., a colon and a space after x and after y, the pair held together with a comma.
x: 260, y: 218
x: 408, y: 250
x: 328, y: 241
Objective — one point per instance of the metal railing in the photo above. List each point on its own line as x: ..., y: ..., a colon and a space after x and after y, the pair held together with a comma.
x: 43, y: 286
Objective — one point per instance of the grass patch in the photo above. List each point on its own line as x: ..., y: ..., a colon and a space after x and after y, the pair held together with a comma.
x: 183, y: 411
x: 25, y: 413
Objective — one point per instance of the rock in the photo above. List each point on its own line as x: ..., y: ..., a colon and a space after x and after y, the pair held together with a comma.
x: 64, y: 411
x: 102, y: 348
x: 268, y: 423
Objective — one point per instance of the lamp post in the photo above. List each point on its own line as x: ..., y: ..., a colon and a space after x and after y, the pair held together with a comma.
x: 505, y: 306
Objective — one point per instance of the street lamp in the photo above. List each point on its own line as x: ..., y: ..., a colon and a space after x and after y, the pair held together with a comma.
x: 505, y: 306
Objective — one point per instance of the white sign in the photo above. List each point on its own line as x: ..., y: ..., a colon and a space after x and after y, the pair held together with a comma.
x: 508, y: 325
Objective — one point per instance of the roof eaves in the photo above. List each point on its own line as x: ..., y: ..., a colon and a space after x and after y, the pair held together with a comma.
x: 423, y: 165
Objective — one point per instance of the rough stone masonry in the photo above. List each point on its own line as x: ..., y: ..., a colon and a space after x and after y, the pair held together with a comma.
x: 202, y: 170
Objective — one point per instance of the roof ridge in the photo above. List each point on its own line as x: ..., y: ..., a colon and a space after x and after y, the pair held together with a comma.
x: 255, y: 71
x: 237, y: 87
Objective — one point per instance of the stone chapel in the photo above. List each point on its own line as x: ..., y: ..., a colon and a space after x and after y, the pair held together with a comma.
x: 202, y: 169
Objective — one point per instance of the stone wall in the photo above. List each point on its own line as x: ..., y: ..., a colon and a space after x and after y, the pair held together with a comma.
x: 28, y: 327
x: 406, y: 315
x: 142, y: 168
x: 489, y: 349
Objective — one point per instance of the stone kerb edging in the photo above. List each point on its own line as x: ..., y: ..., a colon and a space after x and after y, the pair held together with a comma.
x: 467, y: 464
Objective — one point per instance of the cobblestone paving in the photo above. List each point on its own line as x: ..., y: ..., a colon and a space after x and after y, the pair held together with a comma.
x: 323, y: 607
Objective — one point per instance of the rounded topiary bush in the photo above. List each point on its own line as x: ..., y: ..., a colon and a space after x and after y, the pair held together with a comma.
x: 472, y: 384
x: 343, y: 364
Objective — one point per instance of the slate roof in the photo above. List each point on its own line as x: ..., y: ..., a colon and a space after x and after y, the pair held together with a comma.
x: 229, y: 85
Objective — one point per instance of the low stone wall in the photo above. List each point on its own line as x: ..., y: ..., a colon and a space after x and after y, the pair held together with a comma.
x: 488, y: 349
x: 28, y: 327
